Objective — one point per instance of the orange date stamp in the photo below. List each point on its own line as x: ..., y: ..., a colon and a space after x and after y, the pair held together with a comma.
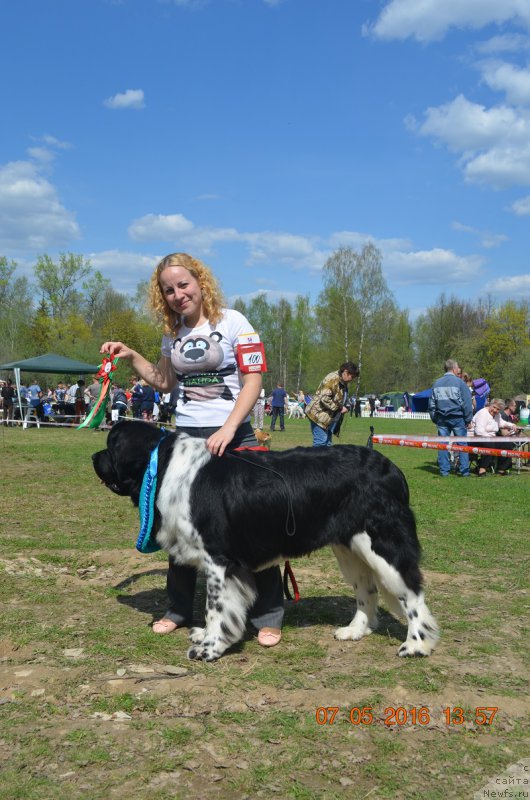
x: 391, y: 716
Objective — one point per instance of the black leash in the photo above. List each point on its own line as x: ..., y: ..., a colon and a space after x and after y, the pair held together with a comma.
x: 290, y: 521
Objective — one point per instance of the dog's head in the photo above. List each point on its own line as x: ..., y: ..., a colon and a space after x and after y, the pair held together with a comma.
x: 121, y: 466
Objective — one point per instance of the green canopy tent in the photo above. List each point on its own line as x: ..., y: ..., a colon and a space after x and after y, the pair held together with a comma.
x: 49, y: 362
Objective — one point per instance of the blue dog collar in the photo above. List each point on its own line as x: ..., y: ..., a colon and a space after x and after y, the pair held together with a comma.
x: 146, y: 543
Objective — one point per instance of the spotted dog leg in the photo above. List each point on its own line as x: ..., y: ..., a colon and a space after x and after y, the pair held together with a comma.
x: 361, y: 578
x: 422, y: 634
x: 230, y: 591
x: 404, y: 598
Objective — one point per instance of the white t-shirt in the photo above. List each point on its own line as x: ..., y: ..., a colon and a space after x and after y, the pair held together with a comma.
x: 205, y: 362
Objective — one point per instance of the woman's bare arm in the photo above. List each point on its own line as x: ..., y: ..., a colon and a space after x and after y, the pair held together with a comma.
x: 160, y: 376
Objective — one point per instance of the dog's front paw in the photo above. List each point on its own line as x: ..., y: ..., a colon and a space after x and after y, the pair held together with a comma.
x: 197, y: 635
x: 204, y: 652
x: 352, y: 633
x: 415, y: 648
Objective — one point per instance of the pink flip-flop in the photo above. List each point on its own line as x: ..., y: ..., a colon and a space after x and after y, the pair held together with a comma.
x: 163, y: 626
x: 268, y: 638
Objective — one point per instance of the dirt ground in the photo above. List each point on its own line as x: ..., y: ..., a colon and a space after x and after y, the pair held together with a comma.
x: 119, y: 712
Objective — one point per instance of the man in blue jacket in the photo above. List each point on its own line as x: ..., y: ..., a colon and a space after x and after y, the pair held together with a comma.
x: 451, y: 410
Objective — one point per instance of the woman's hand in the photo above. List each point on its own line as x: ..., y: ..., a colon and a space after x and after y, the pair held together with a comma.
x: 116, y: 349
x: 219, y: 441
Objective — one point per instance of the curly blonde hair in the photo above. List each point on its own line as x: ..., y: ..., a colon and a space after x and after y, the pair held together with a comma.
x: 212, y: 297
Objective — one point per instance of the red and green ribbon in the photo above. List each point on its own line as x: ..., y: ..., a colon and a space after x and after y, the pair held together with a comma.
x: 97, y: 413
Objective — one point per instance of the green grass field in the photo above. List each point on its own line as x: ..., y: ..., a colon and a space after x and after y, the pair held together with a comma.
x: 93, y: 705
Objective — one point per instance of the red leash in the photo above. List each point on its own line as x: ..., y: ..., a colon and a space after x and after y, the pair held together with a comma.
x: 289, y: 574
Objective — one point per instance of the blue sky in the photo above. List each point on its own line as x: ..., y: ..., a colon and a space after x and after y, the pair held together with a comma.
x: 260, y: 135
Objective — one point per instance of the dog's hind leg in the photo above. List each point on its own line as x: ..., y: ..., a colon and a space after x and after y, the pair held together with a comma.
x: 230, y: 593
x: 360, y: 576
x: 423, y: 633
x: 404, y: 598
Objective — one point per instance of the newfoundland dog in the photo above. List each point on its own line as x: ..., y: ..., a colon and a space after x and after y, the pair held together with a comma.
x: 237, y: 514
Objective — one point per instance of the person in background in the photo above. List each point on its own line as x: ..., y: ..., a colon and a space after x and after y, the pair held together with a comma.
x: 136, y: 397
x: 451, y: 410
x: 488, y: 424
x: 186, y: 298
x: 259, y: 410
x: 8, y: 399
x: 77, y: 394
x: 329, y: 404
x: 148, y: 401
x: 34, y: 396
x: 59, y: 396
x: 279, y: 399
x: 119, y: 403
x: 510, y: 411
x: 93, y: 392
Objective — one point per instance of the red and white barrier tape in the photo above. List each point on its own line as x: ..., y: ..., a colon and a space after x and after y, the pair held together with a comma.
x: 400, y: 441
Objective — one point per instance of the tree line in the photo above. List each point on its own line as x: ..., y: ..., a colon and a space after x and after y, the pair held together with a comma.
x: 69, y: 308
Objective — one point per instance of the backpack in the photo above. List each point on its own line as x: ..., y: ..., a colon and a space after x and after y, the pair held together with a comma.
x: 481, y: 387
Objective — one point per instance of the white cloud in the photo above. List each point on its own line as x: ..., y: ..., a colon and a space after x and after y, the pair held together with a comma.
x: 504, y: 77
x: 42, y: 154
x: 500, y: 167
x: 521, y: 207
x: 52, y: 141
x: 494, y: 143
x: 207, y: 196
x: 436, y: 266
x: 514, y: 286
x: 204, y: 239
x: 159, y: 227
x: 487, y: 239
x: 358, y: 240
x: 467, y: 126
x: 132, y: 98
x: 272, y: 295
x: 279, y: 248
x: 45, y: 147
x: 188, y: 3
x: 428, y: 20
x: 298, y: 251
x: 287, y: 248
x: 124, y: 268
x: 505, y: 43
x: 31, y: 215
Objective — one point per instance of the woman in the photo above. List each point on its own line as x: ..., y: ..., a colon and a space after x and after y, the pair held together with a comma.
x: 488, y: 424
x: 214, y: 402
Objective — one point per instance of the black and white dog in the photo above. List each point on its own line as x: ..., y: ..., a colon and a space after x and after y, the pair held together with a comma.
x: 234, y: 515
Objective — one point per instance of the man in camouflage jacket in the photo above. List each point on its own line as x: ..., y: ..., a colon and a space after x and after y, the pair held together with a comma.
x: 329, y: 404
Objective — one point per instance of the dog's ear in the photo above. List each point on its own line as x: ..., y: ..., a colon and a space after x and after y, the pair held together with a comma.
x: 129, y: 446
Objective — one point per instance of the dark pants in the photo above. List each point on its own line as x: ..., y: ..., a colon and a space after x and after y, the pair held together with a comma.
x: 278, y: 411
x: 503, y: 462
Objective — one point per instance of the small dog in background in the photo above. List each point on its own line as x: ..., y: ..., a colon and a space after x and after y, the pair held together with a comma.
x: 264, y: 438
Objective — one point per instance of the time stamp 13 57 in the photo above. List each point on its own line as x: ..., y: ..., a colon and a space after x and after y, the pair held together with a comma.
x: 399, y: 715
